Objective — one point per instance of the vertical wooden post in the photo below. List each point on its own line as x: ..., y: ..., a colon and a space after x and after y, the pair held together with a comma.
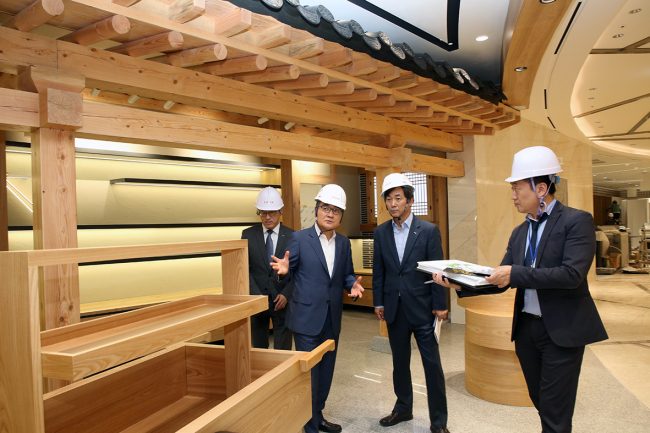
x: 21, y: 389
x: 290, y: 181
x: 237, y: 336
x: 4, y: 215
x: 440, y: 209
x: 382, y: 217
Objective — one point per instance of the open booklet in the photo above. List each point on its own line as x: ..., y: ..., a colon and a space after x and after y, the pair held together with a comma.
x: 465, y: 274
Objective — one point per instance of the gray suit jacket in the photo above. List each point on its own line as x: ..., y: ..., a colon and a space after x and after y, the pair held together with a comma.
x: 261, y: 279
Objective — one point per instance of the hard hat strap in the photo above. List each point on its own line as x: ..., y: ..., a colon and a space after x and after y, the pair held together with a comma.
x: 542, y: 204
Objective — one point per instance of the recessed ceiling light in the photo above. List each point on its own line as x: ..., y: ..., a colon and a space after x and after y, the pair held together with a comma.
x: 620, y: 35
x: 635, y: 11
x: 604, y: 177
x: 482, y: 38
x: 521, y: 69
x: 546, y: 1
x: 627, y: 165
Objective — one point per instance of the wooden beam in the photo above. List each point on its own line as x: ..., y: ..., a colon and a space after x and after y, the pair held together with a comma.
x: 459, y: 101
x: 316, y: 81
x: 423, y: 89
x: 267, y: 38
x: 18, y: 111
x: 333, y: 58
x: 166, y: 82
x: 382, y: 101
x: 168, y: 41
x: 233, y: 66
x: 276, y: 73
x: 420, y: 112
x: 399, y: 107
x: 434, y: 118
x: 37, y: 79
x: 360, y: 66
x: 497, y: 113
x: 489, y: 108
x: 507, y: 117
x: 125, y: 3
x: 232, y: 23
x: 343, y: 136
x: 436, y: 166
x: 35, y: 15
x: 290, y: 182
x: 105, y: 29
x: 442, y: 95
x: 345, y: 88
x: 357, y: 95
x: 479, y: 128
x: 387, y: 141
x: 59, y: 109
x: 383, y: 74
x: 4, y: 214
x: 405, y: 82
x: 535, y: 27
x: 451, y: 121
x: 302, y: 49
x: 182, y: 11
x: 194, y: 56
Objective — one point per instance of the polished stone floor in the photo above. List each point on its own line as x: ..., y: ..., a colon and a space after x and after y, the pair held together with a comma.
x: 614, y: 392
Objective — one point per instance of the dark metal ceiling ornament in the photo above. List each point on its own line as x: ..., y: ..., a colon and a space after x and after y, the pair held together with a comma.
x: 373, y: 43
x: 343, y: 30
x: 273, y: 4
x: 420, y: 62
x: 450, y: 71
x: 294, y: 3
x: 398, y: 52
x: 381, y: 36
x: 406, y: 48
x: 466, y: 77
x: 354, y: 26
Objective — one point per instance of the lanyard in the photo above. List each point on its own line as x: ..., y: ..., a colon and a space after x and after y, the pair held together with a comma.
x: 533, y: 254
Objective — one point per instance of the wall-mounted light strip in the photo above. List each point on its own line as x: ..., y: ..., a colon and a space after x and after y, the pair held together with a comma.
x: 16, y: 192
x: 190, y: 184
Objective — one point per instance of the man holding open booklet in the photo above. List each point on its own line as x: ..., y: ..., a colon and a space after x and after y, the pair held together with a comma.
x: 547, y: 259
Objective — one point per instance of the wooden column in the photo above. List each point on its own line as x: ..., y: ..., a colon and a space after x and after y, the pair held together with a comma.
x: 382, y: 217
x: 290, y: 181
x: 4, y: 215
x: 237, y: 336
x: 54, y: 186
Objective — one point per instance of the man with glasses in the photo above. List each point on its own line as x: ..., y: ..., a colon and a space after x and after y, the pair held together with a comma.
x: 320, y: 261
x: 265, y: 240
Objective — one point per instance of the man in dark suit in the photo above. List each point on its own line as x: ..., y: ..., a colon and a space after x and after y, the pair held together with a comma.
x: 406, y: 302
x: 320, y: 261
x: 264, y: 240
x: 547, y: 259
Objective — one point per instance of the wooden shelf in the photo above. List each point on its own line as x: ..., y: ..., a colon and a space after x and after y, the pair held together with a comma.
x: 183, y: 388
x: 77, y: 351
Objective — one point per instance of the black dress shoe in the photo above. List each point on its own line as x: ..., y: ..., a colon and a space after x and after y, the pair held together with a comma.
x: 439, y: 429
x: 395, y: 418
x: 330, y: 427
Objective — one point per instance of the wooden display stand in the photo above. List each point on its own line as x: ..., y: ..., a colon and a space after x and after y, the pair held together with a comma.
x: 183, y: 387
x: 492, y: 370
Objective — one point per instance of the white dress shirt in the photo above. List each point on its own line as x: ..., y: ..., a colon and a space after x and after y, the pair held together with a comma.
x: 329, y: 248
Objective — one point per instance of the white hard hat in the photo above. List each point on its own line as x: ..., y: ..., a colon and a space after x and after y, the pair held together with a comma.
x: 394, y: 180
x: 269, y: 199
x: 611, y: 215
x: 532, y: 162
x: 332, y: 194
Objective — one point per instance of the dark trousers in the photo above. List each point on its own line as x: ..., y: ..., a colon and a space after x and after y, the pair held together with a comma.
x: 399, y: 337
x: 322, y: 373
x: 260, y: 328
x: 551, y: 373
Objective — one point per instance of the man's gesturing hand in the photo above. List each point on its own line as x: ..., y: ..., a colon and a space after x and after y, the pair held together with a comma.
x: 281, y: 265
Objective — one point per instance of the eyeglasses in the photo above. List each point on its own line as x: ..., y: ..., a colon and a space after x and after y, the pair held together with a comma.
x: 334, y: 210
x: 264, y: 213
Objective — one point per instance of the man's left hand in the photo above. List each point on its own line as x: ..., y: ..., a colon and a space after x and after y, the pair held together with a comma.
x: 357, y: 290
x: 440, y: 313
x: 280, y: 302
x: 500, y: 276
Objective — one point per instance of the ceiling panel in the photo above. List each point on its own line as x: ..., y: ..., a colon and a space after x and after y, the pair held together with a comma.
x: 617, y: 120
x: 633, y: 27
x: 615, y: 78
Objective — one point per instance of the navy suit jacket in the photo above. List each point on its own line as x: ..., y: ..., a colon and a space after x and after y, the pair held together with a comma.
x: 314, y: 291
x: 566, y: 250
x: 261, y: 278
x: 390, y: 279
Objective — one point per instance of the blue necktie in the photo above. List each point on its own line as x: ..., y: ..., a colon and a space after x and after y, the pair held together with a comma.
x: 528, y: 260
x: 269, y: 247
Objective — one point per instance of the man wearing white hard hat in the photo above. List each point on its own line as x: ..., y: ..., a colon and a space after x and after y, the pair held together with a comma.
x: 265, y: 240
x: 406, y: 302
x: 320, y: 261
x: 547, y: 260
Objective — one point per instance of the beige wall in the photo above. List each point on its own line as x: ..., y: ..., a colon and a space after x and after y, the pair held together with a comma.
x: 496, y: 214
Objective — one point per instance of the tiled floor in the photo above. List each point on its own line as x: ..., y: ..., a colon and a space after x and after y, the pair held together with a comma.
x: 614, y: 385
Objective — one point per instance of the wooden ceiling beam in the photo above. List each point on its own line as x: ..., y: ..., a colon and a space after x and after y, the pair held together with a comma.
x: 314, y: 81
x: 276, y: 73
x: 487, y: 109
x: 362, y: 66
x: 383, y: 74
x: 108, y: 28
x: 442, y: 96
x: 420, y: 112
x: 423, y: 89
x: 35, y: 15
x: 267, y: 38
x: 302, y: 49
x: 404, y: 82
x: 332, y: 89
x: 182, y: 11
x: 382, y: 101
x: 459, y: 101
x: 399, y: 107
x: 125, y: 3
x: 361, y: 95
x: 233, y: 66
x: 507, y: 117
x: 232, y: 23
x: 194, y: 56
x: 435, y: 118
x: 332, y: 58
x: 497, y: 113
x: 168, y: 41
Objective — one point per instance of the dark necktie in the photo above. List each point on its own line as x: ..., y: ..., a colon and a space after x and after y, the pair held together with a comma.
x: 269, y: 247
x: 533, y: 240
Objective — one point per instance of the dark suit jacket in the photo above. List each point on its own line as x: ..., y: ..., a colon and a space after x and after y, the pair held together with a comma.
x: 566, y: 251
x: 261, y: 279
x: 314, y: 290
x: 390, y: 279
